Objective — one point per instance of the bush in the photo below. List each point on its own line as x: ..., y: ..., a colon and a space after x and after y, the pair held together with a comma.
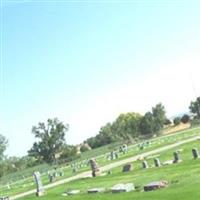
x: 185, y: 118
x: 195, y: 122
x: 177, y: 121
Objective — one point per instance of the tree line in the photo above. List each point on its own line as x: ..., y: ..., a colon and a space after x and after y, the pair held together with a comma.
x: 50, y: 145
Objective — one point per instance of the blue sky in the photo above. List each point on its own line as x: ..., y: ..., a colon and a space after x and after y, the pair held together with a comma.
x: 85, y: 62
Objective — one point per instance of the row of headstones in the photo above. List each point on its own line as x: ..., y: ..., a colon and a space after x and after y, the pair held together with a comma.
x: 118, y: 188
x: 52, y: 175
x: 121, y: 187
x: 195, y: 153
x: 157, y: 162
x: 143, y: 145
x: 115, y: 153
x: 95, y: 169
x: 4, y: 198
x: 82, y: 164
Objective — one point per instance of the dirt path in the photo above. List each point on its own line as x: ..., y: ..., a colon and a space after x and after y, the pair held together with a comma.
x: 109, y: 166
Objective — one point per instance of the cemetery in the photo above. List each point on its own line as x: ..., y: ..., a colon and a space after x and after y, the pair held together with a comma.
x: 131, y: 178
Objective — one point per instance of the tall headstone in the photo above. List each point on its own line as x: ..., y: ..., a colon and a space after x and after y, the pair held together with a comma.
x: 157, y: 162
x: 195, y: 153
x: 176, y: 157
x: 40, y: 188
x: 145, y: 164
x: 94, y: 167
x: 51, y: 178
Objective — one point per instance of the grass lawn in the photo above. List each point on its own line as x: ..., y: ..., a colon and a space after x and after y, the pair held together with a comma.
x: 183, y: 178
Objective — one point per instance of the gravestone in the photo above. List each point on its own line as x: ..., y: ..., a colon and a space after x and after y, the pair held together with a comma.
x: 40, y: 188
x: 72, y: 192
x: 122, y: 188
x: 94, y: 167
x: 195, y: 153
x: 95, y: 190
x: 4, y: 198
x: 127, y: 167
x: 51, y: 178
x: 157, y: 162
x: 176, y: 157
x: 145, y: 165
x: 74, y: 169
x: 113, y: 155
x: 123, y: 149
x: 109, y: 172
x: 155, y: 185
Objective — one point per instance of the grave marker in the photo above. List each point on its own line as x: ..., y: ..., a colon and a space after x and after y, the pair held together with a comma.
x: 145, y: 165
x: 127, y: 167
x: 94, y: 167
x: 122, y: 188
x: 176, y: 157
x: 40, y: 188
x: 157, y: 162
x: 195, y: 153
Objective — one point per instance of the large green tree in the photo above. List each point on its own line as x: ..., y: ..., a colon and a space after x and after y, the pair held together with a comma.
x: 3, y: 145
x: 50, y: 140
x: 153, y: 122
x: 159, y: 117
x: 195, y: 107
x: 126, y: 126
x: 147, y: 124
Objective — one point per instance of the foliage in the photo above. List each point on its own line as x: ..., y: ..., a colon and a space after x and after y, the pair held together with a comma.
x: 153, y: 122
x: 195, y: 122
x: 69, y: 153
x: 125, y: 127
x: 3, y: 145
x: 167, y: 122
x: 147, y: 124
x: 50, y: 140
x: 195, y: 107
x: 177, y: 121
x: 159, y: 117
x: 185, y: 118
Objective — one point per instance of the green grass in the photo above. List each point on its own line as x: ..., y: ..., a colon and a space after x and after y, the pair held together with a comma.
x: 183, y: 178
x: 25, y: 185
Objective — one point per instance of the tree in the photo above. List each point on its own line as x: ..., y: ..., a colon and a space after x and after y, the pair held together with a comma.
x: 50, y: 139
x: 167, y: 122
x: 3, y: 146
x: 177, y: 121
x: 147, y: 124
x: 153, y: 122
x: 195, y: 107
x: 185, y: 118
x: 159, y: 117
x: 126, y: 126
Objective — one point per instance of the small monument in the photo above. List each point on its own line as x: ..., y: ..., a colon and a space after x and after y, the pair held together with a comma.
x: 157, y: 162
x: 123, y: 188
x: 94, y: 167
x: 40, y: 188
x: 195, y: 153
x: 72, y: 192
x: 155, y: 185
x: 176, y: 157
x: 95, y: 190
x: 127, y: 167
x: 145, y: 164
